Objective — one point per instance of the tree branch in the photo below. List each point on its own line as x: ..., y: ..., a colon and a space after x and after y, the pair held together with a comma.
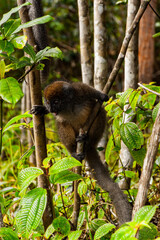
x: 38, y: 123
x: 148, y: 166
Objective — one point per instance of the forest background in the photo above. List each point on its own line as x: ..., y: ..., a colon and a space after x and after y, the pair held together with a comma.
x: 63, y: 32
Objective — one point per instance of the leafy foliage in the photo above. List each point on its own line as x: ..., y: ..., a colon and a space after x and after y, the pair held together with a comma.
x: 33, y: 205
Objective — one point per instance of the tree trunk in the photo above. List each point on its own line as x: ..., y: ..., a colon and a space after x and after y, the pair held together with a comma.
x: 100, y: 62
x: 146, y: 45
x: 85, y: 42
x: 38, y: 123
x: 130, y: 81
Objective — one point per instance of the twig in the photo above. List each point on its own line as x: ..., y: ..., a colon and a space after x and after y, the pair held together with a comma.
x: 152, y: 91
x: 154, y: 11
x: 27, y: 72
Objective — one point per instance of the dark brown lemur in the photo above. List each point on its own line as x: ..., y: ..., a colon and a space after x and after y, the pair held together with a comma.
x: 72, y: 104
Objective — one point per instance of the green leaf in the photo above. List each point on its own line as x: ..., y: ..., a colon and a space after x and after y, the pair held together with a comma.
x: 124, y: 233
x: 36, y: 21
x: 131, y: 135
x: 110, y: 146
x: 103, y: 230
x: 156, y: 35
x: 74, y: 235
x: 155, y: 111
x: 30, y: 51
x: 96, y: 223
x: 145, y: 214
x: 61, y: 225
x: 23, y: 62
x: 28, y: 153
x: 133, y: 99
x: 16, y: 119
x: 6, y: 16
x: 82, y: 188
x: 148, y: 233
x: 129, y: 174
x: 64, y: 164
x: 19, y: 42
x: 8, y: 234
x: 49, y: 231
x: 64, y: 177
x: 81, y: 219
x: 138, y: 155
x: 10, y: 26
x: 10, y: 90
x: 2, y: 69
x: 27, y: 175
x: 124, y: 97
x: 6, y: 46
x: 33, y: 206
x: 49, y: 52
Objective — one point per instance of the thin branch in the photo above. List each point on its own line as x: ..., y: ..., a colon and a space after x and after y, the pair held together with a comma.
x: 148, y: 166
x: 141, y: 85
x: 154, y: 11
x: 27, y: 72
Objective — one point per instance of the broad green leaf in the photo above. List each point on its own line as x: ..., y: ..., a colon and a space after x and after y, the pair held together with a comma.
x: 49, y: 52
x: 33, y: 206
x: 148, y: 100
x: 96, y: 223
x: 19, y: 42
x: 124, y: 97
x: 81, y: 219
x: 23, y: 62
x: 133, y: 99
x: 124, y: 233
x: 155, y: 111
x: 10, y: 90
x: 16, y: 119
x: 10, y: 26
x: 131, y: 135
x: 8, y: 234
x: 129, y: 174
x: 2, y: 69
x: 145, y: 214
x: 36, y: 21
x: 6, y: 46
x: 27, y: 175
x: 74, y: 235
x: 138, y: 155
x: 7, y: 15
x: 153, y: 88
x: 49, y: 231
x: 64, y: 177
x: 30, y: 51
x: 64, y: 164
x: 61, y: 225
x: 82, y: 188
x: 147, y: 233
x: 103, y: 230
